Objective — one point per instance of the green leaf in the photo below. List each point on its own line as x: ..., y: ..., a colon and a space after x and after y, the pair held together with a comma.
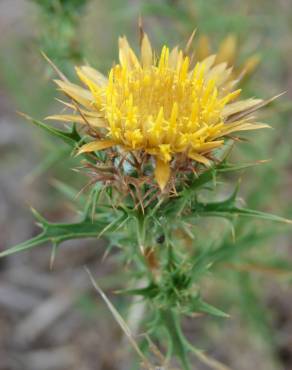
x: 201, y: 180
x: 71, y: 138
x: 227, y: 208
x: 217, y: 210
x: 57, y: 233
x: 210, y: 174
x: 200, y: 306
x: 150, y: 291
x: 176, y: 205
x: 210, y: 257
x: 177, y: 342
x: 230, y: 167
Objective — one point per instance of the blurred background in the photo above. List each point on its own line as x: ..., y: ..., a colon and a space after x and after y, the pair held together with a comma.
x: 53, y: 320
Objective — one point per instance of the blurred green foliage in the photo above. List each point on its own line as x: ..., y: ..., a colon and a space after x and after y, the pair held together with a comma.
x: 59, y: 30
x: 68, y: 7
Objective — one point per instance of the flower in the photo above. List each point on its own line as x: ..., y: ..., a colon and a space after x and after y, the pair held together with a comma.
x: 168, y: 106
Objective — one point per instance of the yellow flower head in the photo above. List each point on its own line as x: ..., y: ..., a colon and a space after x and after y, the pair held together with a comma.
x: 167, y: 106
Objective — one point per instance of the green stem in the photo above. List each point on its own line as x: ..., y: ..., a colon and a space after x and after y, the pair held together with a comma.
x: 169, y: 318
x: 141, y: 238
x: 178, y: 343
x: 141, y: 232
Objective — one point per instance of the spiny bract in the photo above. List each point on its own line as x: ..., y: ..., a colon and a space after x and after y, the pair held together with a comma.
x: 167, y: 106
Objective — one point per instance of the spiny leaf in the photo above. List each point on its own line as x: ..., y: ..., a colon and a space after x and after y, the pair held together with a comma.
x: 71, y: 138
x: 223, y: 152
x: 210, y: 362
x: 200, y: 306
x: 171, y: 323
x: 33, y: 242
x: 224, y: 166
x: 201, y: 180
x: 262, y: 215
x: 178, y: 203
x: 230, y: 167
x: 227, y: 208
x: 150, y: 291
x: 229, y: 249
x: 57, y: 233
x: 218, y: 211
x: 210, y: 258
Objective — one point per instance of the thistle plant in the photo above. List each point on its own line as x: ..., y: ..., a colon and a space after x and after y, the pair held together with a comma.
x: 154, y: 137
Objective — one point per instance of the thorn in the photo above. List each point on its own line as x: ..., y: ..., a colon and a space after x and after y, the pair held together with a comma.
x: 24, y: 115
x: 105, y: 255
x: 53, y: 255
x: 262, y: 161
x: 39, y: 217
x: 189, y: 42
x: 141, y: 30
x: 236, y: 116
x: 55, y: 68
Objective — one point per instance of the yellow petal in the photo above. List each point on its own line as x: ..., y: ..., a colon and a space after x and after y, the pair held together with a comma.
x: 94, y: 87
x: 251, y: 126
x: 203, y: 49
x: 162, y: 173
x: 208, y: 146
x: 179, y: 60
x: 92, y: 121
x: 241, y: 126
x: 93, y: 75
x: 93, y: 113
x: 227, y: 51
x: 199, y: 158
x: 219, y: 72
x: 126, y: 54
x: 95, y: 146
x: 146, y: 52
x: 240, y: 106
x: 209, y: 62
x: 173, y: 57
x: 247, y: 112
x: 250, y: 64
x: 77, y: 93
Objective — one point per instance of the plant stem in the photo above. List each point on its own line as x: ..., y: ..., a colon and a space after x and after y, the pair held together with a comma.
x: 178, y: 343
